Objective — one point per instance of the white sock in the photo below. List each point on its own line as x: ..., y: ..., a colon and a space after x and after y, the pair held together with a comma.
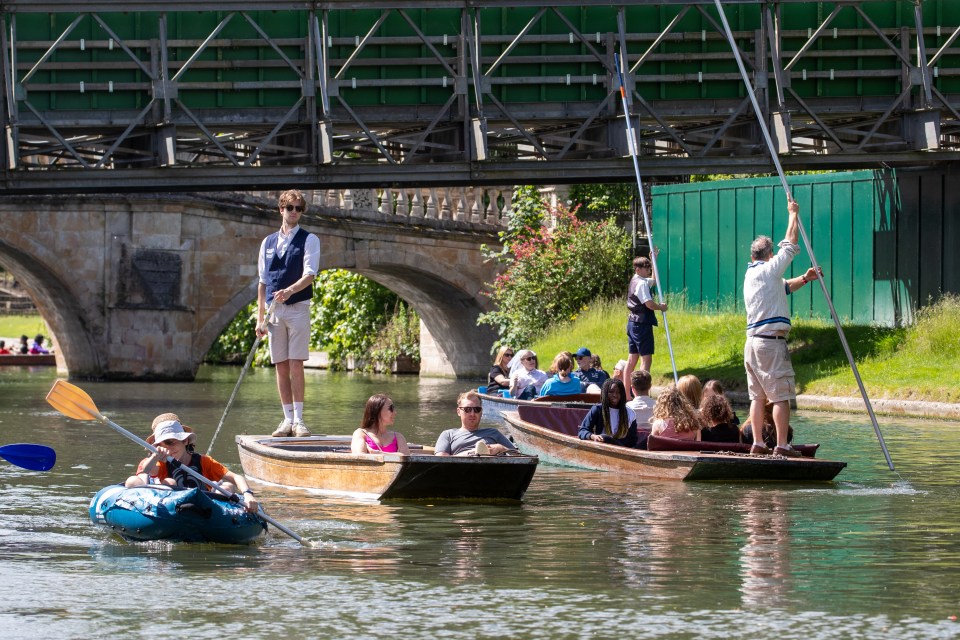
x: 297, y: 411
x: 288, y: 412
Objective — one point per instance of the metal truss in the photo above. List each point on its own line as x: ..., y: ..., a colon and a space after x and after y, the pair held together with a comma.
x: 314, y: 123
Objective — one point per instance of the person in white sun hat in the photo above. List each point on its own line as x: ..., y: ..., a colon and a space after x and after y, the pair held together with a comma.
x: 172, y: 438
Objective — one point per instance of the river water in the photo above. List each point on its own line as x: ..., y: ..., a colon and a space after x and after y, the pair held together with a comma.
x: 875, y: 554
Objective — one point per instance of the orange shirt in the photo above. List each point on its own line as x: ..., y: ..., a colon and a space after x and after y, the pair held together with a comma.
x: 209, y: 469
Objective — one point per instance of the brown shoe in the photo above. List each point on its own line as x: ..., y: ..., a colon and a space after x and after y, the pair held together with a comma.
x: 760, y: 450
x: 787, y: 452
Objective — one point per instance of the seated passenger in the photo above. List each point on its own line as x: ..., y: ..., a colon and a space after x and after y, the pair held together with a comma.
x: 525, y: 378
x: 37, y: 347
x: 769, y: 431
x: 499, y: 377
x: 3, y: 348
x: 718, y: 415
x: 176, y: 440
x: 673, y: 417
x: 587, y: 372
x: 689, y: 386
x: 470, y: 439
x: 642, y: 403
x: 373, y: 435
x: 562, y: 383
x: 711, y: 387
x: 611, y: 421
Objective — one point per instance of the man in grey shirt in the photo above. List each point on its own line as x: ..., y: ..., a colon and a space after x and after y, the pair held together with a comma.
x: 469, y: 439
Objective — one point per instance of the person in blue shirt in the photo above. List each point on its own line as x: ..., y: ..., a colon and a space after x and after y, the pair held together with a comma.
x: 585, y: 372
x: 563, y: 383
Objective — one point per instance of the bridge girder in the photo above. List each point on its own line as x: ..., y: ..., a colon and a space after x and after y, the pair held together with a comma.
x: 328, y: 109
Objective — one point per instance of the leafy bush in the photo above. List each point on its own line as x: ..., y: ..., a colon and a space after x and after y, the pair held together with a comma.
x: 347, y: 311
x: 552, y: 275
x: 400, y: 336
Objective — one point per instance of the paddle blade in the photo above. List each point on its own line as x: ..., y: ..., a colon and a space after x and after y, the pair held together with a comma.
x: 72, y: 401
x: 35, y: 457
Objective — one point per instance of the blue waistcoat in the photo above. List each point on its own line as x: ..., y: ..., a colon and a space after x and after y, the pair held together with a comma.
x: 283, y: 272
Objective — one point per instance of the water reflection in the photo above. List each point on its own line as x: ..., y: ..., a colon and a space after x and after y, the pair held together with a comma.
x: 585, y: 554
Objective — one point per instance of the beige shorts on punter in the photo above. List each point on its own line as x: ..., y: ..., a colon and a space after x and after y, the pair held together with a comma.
x: 289, y: 329
x: 769, y: 370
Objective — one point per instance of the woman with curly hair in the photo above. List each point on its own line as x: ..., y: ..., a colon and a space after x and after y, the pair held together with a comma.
x: 674, y: 417
x: 718, y: 415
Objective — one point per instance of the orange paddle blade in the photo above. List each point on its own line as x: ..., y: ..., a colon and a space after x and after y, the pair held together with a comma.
x: 72, y: 401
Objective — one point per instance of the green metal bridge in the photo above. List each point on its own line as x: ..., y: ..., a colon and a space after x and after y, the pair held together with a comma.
x: 137, y: 95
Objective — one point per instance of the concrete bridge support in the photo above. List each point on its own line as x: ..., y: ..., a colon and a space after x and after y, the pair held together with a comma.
x: 139, y: 286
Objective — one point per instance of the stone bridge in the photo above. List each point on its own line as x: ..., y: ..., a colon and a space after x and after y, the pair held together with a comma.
x: 138, y: 286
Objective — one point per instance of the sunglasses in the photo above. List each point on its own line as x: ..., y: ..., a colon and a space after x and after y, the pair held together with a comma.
x: 290, y: 207
x: 471, y: 409
x: 508, y: 355
x: 528, y: 358
x: 391, y: 408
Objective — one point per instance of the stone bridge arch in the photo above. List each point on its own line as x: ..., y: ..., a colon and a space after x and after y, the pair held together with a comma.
x: 138, y: 286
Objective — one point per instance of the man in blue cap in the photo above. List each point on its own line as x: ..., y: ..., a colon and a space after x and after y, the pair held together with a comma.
x: 585, y: 371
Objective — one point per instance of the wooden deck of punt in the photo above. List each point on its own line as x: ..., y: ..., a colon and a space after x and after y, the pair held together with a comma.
x: 28, y: 360
x: 494, y: 407
x: 326, y: 463
x: 551, y: 434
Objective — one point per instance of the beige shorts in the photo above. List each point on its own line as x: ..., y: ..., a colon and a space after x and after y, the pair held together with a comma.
x: 289, y: 329
x: 769, y: 370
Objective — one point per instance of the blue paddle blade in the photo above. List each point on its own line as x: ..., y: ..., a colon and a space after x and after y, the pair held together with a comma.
x: 35, y: 457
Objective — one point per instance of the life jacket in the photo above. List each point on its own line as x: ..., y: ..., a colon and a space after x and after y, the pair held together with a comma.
x: 180, y: 475
x: 284, y: 271
x: 639, y: 312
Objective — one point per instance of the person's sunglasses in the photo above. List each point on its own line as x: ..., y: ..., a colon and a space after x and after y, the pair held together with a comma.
x: 528, y: 358
x: 291, y: 207
x: 391, y: 408
x: 472, y: 409
x: 508, y: 355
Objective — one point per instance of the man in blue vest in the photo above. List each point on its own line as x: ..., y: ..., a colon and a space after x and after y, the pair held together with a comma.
x: 288, y: 263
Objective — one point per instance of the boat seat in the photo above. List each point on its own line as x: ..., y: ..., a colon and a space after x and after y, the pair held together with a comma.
x: 564, y: 420
x: 661, y: 443
x: 586, y: 398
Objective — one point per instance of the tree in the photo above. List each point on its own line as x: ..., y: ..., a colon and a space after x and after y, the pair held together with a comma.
x: 552, y: 275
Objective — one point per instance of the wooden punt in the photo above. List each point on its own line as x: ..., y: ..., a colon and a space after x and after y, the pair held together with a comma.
x: 28, y: 360
x: 494, y: 407
x: 551, y: 433
x: 326, y: 463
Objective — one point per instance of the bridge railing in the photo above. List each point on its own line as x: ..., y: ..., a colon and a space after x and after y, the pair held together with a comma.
x: 483, y: 206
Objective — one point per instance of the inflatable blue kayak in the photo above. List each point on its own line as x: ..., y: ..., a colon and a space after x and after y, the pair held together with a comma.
x: 156, y: 512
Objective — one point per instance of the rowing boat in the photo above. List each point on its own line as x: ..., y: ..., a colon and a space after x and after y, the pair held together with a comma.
x: 495, y: 406
x: 326, y: 463
x: 158, y: 512
x: 551, y: 433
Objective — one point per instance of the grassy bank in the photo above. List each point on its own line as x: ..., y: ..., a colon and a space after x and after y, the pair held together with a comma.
x: 916, y: 363
x: 16, y: 326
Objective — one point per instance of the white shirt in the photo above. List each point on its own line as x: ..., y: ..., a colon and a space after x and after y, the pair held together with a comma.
x: 642, y: 406
x: 764, y: 295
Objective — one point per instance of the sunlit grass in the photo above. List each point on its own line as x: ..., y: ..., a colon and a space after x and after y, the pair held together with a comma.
x: 16, y: 326
x: 917, y: 362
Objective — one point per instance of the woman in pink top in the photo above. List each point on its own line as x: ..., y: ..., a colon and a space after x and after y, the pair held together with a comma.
x: 674, y: 416
x: 373, y: 435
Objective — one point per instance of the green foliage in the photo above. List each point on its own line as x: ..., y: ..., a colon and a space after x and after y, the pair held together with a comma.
x: 604, y: 198
x: 523, y: 223
x: 347, y: 311
x: 552, y: 275
x: 400, y: 336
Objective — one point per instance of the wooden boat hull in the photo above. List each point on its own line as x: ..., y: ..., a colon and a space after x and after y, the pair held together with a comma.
x: 566, y: 449
x: 325, y: 463
x: 189, y: 515
x: 28, y: 360
x: 494, y: 407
